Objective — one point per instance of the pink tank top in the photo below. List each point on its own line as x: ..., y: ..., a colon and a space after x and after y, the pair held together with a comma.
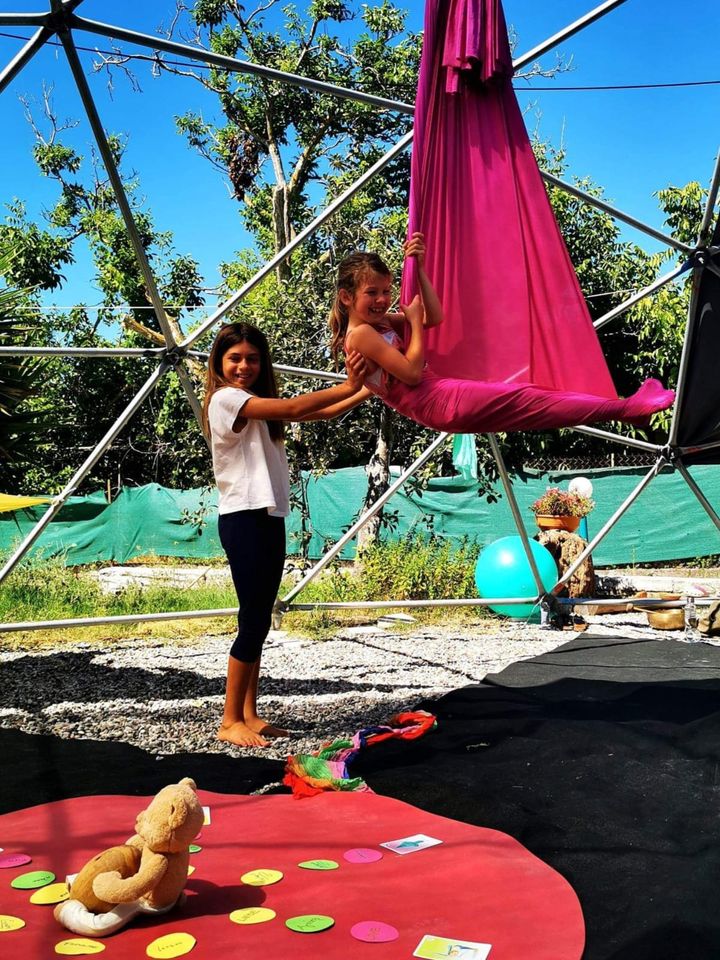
x: 379, y: 380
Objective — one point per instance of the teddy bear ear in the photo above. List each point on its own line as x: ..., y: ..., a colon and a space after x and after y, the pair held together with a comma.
x: 188, y: 782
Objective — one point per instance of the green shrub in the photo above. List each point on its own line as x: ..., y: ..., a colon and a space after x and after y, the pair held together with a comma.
x: 417, y: 569
x: 409, y: 569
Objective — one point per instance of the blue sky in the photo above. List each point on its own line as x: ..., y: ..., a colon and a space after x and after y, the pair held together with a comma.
x: 632, y: 142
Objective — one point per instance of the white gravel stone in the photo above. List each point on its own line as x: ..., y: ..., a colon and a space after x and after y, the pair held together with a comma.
x: 168, y: 698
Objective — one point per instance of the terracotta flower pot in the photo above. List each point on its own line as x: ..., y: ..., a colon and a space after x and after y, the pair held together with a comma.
x: 548, y: 522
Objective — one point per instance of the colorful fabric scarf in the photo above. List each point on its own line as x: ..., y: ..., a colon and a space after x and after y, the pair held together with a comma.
x: 308, y: 774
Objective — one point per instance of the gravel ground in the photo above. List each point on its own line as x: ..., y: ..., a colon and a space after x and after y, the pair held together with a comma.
x: 167, y: 698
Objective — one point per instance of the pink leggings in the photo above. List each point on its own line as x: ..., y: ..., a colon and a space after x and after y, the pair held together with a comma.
x: 477, y: 406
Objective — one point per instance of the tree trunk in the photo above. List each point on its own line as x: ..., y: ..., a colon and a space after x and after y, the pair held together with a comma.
x: 281, y: 227
x: 378, y: 474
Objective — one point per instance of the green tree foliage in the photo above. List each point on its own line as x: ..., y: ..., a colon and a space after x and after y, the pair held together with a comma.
x: 20, y: 378
x: 287, y: 152
x: 87, y: 395
x: 279, y: 143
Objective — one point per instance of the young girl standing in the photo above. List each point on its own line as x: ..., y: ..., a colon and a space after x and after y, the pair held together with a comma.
x: 392, y: 344
x: 243, y: 417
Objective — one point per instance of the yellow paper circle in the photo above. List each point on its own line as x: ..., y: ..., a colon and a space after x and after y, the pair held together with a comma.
x: 191, y: 869
x: 79, y: 947
x: 171, y: 945
x: 248, y: 915
x: 261, y: 878
x: 55, y: 893
x: 8, y: 923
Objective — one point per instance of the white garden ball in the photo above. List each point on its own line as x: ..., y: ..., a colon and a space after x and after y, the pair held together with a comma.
x: 582, y: 486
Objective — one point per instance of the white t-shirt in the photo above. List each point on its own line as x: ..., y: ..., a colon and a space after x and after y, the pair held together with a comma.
x: 250, y: 467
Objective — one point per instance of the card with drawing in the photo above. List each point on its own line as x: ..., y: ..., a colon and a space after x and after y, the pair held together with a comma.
x: 443, y: 948
x: 411, y: 844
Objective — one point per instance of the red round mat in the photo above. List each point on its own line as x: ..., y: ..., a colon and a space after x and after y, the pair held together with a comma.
x: 477, y: 885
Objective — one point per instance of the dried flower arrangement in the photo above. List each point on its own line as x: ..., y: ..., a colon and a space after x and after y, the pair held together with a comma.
x: 560, y: 503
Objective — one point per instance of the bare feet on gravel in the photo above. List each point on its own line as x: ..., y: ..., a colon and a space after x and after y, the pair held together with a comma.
x: 250, y: 733
x: 265, y: 728
x: 241, y: 735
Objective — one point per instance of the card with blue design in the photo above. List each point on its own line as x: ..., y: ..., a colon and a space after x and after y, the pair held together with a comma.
x: 411, y: 844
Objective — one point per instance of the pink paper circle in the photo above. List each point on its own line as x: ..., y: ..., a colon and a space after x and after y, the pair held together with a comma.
x: 374, y: 931
x: 14, y: 860
x: 362, y: 855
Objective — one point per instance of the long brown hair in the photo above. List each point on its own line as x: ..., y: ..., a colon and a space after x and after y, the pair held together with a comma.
x: 230, y: 336
x: 351, y: 273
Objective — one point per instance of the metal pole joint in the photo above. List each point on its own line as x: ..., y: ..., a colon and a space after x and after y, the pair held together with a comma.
x: 175, y: 355
x: 58, y: 20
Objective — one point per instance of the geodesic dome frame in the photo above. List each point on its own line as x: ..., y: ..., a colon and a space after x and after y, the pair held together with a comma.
x: 694, y: 434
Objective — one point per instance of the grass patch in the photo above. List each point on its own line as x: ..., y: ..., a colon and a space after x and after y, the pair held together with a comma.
x: 412, y: 569
x: 48, y: 590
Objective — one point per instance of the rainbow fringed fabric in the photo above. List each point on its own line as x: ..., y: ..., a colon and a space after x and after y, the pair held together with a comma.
x: 310, y: 773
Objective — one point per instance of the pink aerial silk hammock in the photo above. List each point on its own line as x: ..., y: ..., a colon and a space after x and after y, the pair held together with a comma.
x: 516, y: 324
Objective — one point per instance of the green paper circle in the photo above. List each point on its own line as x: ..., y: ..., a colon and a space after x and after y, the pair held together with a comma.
x: 309, y: 923
x: 194, y: 848
x: 33, y: 880
x: 319, y: 864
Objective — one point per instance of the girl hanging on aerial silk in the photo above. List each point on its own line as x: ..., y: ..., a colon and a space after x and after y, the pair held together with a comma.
x: 393, y: 347
x: 487, y: 359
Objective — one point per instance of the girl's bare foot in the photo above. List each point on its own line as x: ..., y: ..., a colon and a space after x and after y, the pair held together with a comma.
x: 241, y: 735
x: 258, y: 725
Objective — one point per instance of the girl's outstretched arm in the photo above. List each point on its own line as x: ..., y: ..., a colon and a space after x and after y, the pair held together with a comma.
x: 434, y: 316
x: 342, y: 406
x: 357, y: 368
x: 298, y: 408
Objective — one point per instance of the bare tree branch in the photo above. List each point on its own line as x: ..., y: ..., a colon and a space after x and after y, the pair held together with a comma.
x: 49, y: 112
x: 130, y: 323
x: 306, y: 46
x: 258, y: 10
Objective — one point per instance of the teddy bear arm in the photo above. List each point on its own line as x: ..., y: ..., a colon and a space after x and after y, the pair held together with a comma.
x: 111, y: 887
x: 135, y: 841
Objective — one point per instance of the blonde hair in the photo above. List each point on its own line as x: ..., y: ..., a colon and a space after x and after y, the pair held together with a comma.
x: 351, y: 272
x: 229, y: 336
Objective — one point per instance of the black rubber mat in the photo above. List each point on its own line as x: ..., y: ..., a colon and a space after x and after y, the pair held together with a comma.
x: 39, y: 769
x: 611, y: 778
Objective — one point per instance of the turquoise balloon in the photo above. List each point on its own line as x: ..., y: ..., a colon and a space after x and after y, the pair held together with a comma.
x: 503, y: 570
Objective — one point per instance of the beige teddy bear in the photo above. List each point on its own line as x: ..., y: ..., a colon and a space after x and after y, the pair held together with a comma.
x: 146, y: 875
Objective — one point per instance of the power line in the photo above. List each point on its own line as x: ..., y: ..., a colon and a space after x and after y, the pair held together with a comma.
x: 518, y: 89
x: 117, y: 309
x: 622, y: 86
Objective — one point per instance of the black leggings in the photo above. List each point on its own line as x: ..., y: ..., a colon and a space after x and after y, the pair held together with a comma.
x: 255, y: 546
